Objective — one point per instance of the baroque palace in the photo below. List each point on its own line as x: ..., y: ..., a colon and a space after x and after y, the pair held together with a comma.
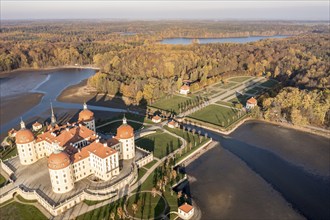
x: 74, y: 150
x: 60, y: 166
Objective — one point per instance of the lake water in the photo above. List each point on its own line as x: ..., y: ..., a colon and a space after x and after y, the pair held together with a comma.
x: 186, y: 41
x: 49, y: 83
x: 263, y: 171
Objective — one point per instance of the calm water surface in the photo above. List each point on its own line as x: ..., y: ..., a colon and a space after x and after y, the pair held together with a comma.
x: 50, y: 83
x: 185, y: 41
x: 276, y: 159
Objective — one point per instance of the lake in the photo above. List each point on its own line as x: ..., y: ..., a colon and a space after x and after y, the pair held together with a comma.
x: 263, y: 171
x: 186, y: 41
x: 50, y: 84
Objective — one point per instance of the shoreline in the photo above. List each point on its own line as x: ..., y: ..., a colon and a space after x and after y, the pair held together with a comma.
x: 49, y: 68
x: 325, y: 133
x: 81, y: 92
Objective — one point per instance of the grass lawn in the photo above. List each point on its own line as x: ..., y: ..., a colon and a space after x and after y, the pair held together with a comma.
x: 190, y: 137
x: 160, y: 143
x: 227, y: 85
x: 91, y: 203
x: 240, y: 79
x: 170, y: 104
x: 269, y: 83
x: 2, y: 180
x: 151, y: 182
x: 240, y: 99
x: 20, y: 198
x: 188, y: 151
x: 149, y: 165
x: 8, y: 153
x: 129, y: 116
x: 141, y: 172
x: 258, y: 89
x: 103, y: 212
x: 18, y: 211
x: 112, y: 128
x: 229, y: 104
x: 148, y: 206
x: 251, y: 91
x: 215, y: 114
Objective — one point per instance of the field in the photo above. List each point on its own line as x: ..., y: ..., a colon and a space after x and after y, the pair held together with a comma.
x: 170, y: 104
x: 160, y: 143
x: 147, y: 205
x: 20, y: 211
x: 217, y: 115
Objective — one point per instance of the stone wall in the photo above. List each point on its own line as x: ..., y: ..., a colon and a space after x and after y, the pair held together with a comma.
x: 146, y: 159
x: 119, y: 188
x: 6, y: 168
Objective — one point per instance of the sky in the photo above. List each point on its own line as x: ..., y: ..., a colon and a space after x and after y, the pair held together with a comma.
x: 162, y: 9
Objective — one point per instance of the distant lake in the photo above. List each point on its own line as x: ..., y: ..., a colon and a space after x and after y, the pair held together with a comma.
x: 241, y: 40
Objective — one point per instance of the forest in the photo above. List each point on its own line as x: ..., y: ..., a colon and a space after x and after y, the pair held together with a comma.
x: 134, y: 65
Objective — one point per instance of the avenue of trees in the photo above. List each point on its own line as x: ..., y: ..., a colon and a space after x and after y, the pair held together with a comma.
x: 132, y: 64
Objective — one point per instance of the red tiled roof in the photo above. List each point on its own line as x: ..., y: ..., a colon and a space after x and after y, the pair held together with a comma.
x: 172, y: 123
x: 67, y: 135
x: 36, y: 124
x: 156, y: 117
x: 185, y: 87
x: 124, y: 131
x: 186, y: 208
x: 97, y: 148
x: 252, y: 101
x: 24, y: 136
x: 57, y: 161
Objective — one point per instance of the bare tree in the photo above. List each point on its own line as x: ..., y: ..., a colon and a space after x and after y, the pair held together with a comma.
x: 134, y: 208
x: 154, y: 192
x: 112, y: 216
x: 120, y: 212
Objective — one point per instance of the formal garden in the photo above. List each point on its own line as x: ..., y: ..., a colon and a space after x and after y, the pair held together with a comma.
x: 160, y: 143
x: 217, y: 115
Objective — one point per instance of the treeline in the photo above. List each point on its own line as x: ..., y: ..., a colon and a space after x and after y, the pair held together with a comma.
x: 158, y: 70
x: 301, y: 107
x: 133, y: 65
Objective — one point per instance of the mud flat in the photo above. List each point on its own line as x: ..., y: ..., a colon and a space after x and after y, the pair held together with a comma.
x: 13, y: 106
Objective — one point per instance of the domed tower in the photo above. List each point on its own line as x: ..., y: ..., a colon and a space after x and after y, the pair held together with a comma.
x: 87, y: 117
x: 25, y: 145
x: 60, y: 171
x: 125, y: 135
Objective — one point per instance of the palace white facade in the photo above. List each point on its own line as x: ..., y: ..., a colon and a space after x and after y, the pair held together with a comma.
x: 74, y: 150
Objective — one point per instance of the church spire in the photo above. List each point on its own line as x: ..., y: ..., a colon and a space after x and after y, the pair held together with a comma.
x: 52, y: 118
x: 124, y: 120
x: 22, y: 124
x: 85, y: 105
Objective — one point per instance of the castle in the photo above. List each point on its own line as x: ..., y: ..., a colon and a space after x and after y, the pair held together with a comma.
x: 75, y: 151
